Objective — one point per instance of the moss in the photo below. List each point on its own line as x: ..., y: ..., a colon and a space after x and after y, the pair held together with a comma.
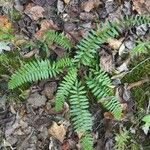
x: 140, y: 93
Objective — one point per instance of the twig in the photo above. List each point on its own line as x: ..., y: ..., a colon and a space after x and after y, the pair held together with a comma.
x: 139, y: 64
x: 138, y: 83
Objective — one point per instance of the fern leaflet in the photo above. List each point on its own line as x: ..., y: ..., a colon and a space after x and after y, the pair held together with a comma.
x: 100, y: 85
x: 141, y: 48
x: 64, y: 88
x: 36, y: 70
x: 79, y: 109
x: 52, y: 36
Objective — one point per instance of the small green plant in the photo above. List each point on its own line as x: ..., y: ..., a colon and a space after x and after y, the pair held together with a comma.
x: 146, y: 126
x: 76, y: 87
x: 121, y: 140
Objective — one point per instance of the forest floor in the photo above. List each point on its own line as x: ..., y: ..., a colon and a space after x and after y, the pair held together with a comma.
x: 28, y: 120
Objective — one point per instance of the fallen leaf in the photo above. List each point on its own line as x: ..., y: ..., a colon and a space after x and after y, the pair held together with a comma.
x: 141, y: 6
x: 106, y: 61
x: 90, y: 4
x: 4, y: 23
x: 114, y: 43
x: 37, y: 100
x: 45, y: 25
x: 35, y: 12
x: 58, y: 131
x: 66, y: 1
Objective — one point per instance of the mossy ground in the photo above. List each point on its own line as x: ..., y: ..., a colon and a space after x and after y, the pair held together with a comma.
x: 141, y: 93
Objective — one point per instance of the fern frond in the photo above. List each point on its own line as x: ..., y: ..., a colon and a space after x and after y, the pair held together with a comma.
x: 3, y: 58
x: 79, y: 109
x: 114, y: 106
x: 87, y: 48
x: 64, y: 88
x: 51, y: 36
x: 121, y: 140
x: 99, y: 83
x: 36, y: 70
x: 101, y: 87
x: 87, y: 142
x: 141, y: 48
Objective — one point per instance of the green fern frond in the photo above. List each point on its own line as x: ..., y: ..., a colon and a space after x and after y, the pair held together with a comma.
x: 3, y: 58
x: 141, y: 48
x: 99, y: 83
x: 121, y: 140
x: 134, y: 20
x: 114, y: 106
x: 87, y: 142
x: 101, y: 87
x: 36, y: 70
x: 51, y: 36
x: 79, y: 109
x: 87, y: 48
x: 64, y: 88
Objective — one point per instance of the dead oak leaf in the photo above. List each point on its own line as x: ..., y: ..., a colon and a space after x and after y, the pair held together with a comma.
x: 35, y: 12
x: 90, y: 4
x: 58, y: 131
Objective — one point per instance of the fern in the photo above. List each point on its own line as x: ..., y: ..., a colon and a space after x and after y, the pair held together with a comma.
x: 88, y: 46
x: 86, y: 142
x: 141, y: 48
x: 37, y: 70
x: 79, y: 109
x: 3, y: 58
x: 100, y: 85
x: 52, y: 36
x: 80, y: 115
x: 65, y: 87
x: 121, y: 140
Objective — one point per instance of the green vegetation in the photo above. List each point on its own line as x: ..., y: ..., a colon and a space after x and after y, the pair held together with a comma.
x: 75, y: 88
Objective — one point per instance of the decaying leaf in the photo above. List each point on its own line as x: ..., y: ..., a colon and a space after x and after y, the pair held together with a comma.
x: 58, y: 131
x: 114, y: 43
x: 4, y: 23
x: 90, y: 4
x: 141, y: 6
x: 35, y: 12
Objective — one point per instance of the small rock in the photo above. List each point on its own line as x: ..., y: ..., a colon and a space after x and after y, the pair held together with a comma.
x: 37, y: 100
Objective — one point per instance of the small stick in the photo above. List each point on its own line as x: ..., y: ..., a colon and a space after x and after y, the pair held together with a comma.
x: 138, y: 83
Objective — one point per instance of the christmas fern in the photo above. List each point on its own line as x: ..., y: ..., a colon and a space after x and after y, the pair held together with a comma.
x: 88, y: 46
x: 51, y: 36
x: 101, y: 87
x: 80, y: 115
x: 141, y: 48
x: 37, y: 70
x: 65, y: 87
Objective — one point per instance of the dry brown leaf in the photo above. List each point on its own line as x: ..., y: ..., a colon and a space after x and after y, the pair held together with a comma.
x: 45, y: 25
x: 90, y: 4
x: 4, y: 23
x: 35, y: 12
x: 66, y: 1
x: 114, y: 43
x: 58, y: 131
x: 141, y: 6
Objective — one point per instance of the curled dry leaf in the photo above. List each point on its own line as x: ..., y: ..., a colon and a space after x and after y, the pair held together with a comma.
x: 35, y: 12
x: 90, y: 4
x: 114, y: 43
x: 58, y: 131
